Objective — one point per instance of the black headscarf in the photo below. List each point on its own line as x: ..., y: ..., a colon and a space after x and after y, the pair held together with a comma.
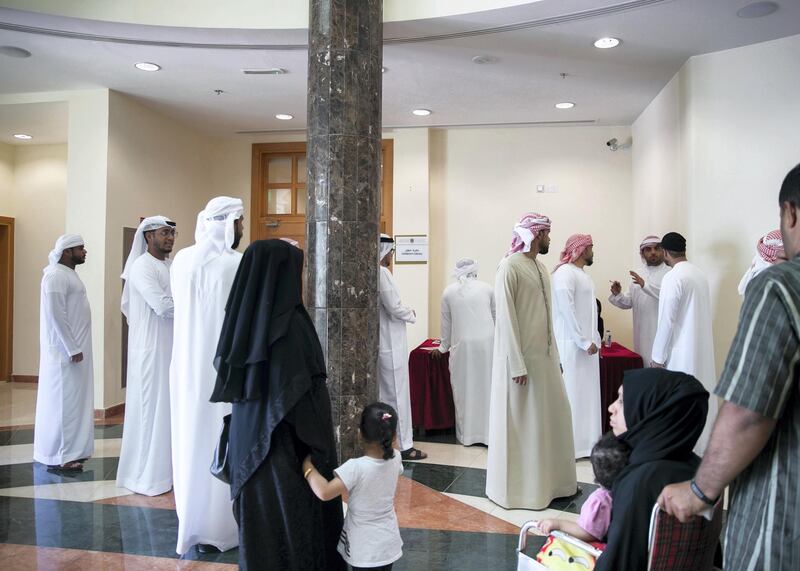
x: 264, y: 299
x: 665, y: 412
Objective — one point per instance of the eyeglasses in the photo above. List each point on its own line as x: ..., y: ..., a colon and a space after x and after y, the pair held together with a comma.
x: 166, y: 232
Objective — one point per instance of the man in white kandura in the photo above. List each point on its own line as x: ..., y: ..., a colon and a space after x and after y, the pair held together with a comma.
x: 531, y: 452
x: 468, y: 333
x: 393, y: 388
x: 769, y: 251
x: 202, y: 276
x: 642, y: 296
x: 685, y: 341
x: 145, y: 460
x: 64, y: 434
x: 575, y: 327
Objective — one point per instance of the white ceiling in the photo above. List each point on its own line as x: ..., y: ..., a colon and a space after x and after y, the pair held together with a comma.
x: 429, y: 62
x: 47, y: 123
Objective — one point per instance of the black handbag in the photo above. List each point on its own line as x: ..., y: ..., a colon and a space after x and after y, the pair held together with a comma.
x: 220, y: 465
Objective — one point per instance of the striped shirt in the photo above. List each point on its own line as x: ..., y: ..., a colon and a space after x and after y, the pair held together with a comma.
x: 761, y: 375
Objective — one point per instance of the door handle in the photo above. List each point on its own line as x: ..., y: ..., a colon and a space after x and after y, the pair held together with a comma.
x: 272, y: 223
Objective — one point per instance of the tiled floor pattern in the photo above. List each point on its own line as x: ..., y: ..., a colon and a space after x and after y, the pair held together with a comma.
x: 52, y: 520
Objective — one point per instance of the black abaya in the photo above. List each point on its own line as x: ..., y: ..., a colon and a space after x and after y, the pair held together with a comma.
x: 270, y: 366
x: 665, y: 413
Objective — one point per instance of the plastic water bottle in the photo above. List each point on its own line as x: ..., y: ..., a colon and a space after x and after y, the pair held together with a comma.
x: 607, y: 339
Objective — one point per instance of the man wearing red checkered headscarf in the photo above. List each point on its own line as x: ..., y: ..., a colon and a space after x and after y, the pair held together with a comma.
x: 531, y: 458
x: 575, y: 327
x: 769, y: 251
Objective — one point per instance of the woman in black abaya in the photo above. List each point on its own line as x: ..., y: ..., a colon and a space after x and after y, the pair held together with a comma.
x: 270, y: 366
x: 660, y: 414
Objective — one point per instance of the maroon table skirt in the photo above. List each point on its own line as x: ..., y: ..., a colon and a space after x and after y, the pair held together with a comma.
x: 431, y: 394
x: 614, y: 361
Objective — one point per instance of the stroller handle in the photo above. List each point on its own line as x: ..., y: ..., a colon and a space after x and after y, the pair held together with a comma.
x: 523, y: 533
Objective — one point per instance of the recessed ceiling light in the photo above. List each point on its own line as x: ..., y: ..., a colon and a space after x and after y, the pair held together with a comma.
x: 757, y: 10
x: 23, y: 136
x: 605, y: 43
x: 147, y: 66
x: 13, y: 51
x: 484, y: 59
x: 284, y: 116
x: 421, y: 112
x: 565, y: 105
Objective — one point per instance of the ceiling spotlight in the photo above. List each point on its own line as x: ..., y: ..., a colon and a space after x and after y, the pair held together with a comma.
x: 23, y: 136
x: 421, y: 112
x: 757, y: 10
x: 13, y: 51
x: 147, y: 66
x: 565, y: 105
x: 605, y: 43
x: 484, y: 59
x: 284, y: 116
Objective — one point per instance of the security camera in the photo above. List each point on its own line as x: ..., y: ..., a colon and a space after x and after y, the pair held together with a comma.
x: 615, y: 145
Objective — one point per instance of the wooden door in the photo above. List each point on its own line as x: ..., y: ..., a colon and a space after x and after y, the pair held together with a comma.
x: 6, y: 297
x: 278, y: 193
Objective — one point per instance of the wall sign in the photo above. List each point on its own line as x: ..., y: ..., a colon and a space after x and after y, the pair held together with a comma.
x: 411, y: 249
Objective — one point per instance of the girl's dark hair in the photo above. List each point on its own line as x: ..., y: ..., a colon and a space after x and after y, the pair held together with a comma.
x: 609, y: 456
x: 379, y: 424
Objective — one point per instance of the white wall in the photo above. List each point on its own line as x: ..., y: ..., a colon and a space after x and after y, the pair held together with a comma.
x: 6, y: 180
x: 40, y: 188
x: 731, y: 118
x: 155, y: 166
x: 483, y: 180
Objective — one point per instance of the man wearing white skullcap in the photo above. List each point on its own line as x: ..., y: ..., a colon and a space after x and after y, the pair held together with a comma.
x: 642, y: 296
x: 468, y: 334
x: 64, y: 434
x: 201, y: 280
x: 393, y: 388
x: 145, y: 460
x: 531, y: 457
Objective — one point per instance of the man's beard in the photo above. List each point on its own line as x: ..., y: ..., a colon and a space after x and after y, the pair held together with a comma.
x: 590, y: 261
x: 544, y: 248
x: 235, y: 244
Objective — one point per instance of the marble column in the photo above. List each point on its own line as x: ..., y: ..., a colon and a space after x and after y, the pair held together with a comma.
x: 345, y: 51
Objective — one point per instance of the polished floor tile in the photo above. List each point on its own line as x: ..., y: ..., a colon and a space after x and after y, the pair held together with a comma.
x: 23, y: 453
x: 14, y: 435
x: 420, y: 507
x: 162, y: 502
x: 17, y: 403
x: 35, y: 474
x: 28, y: 557
x: 73, y: 491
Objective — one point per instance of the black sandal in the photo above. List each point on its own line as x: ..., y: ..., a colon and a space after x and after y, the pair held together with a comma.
x: 413, y: 454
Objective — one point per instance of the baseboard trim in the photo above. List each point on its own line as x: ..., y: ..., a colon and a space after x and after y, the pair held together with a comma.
x: 24, y: 378
x: 116, y: 410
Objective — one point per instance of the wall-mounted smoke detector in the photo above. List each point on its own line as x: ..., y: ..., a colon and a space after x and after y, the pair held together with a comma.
x: 268, y: 71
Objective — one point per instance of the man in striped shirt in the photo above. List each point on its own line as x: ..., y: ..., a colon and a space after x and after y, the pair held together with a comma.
x: 755, y: 445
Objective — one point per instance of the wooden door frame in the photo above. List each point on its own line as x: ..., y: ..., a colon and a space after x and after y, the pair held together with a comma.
x: 261, y: 149
x: 7, y: 336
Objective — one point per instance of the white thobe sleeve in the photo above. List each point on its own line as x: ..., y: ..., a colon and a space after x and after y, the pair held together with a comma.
x: 446, y: 329
x: 55, y: 306
x: 159, y: 300
x: 668, y: 306
x: 565, y: 304
x: 506, y: 324
x: 621, y: 300
x: 651, y: 289
x: 494, y: 308
x: 390, y: 299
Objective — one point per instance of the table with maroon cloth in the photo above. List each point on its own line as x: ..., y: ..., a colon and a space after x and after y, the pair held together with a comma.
x: 614, y: 361
x: 431, y: 394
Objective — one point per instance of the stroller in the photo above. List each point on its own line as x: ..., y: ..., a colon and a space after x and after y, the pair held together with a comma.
x: 561, y: 552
